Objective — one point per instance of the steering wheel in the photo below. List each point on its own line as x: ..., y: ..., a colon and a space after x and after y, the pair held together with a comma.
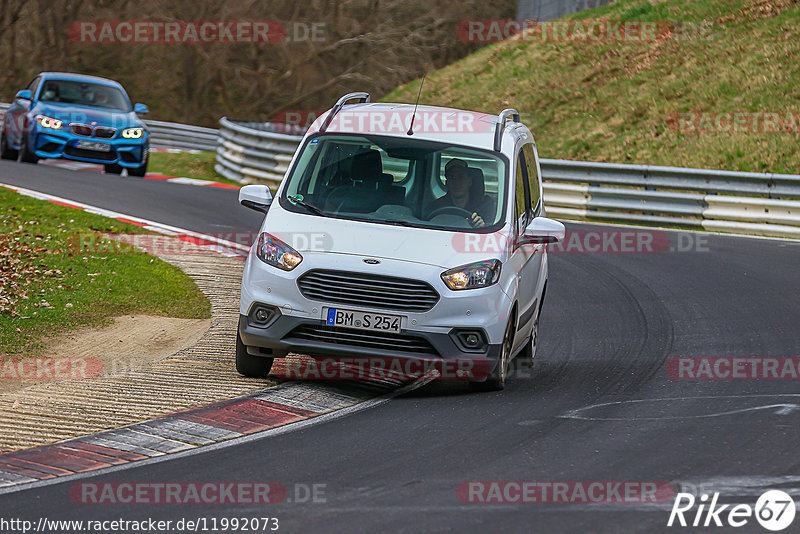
x: 452, y: 210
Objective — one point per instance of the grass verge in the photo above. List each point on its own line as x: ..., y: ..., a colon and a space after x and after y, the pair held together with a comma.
x: 49, y: 284
x: 200, y: 166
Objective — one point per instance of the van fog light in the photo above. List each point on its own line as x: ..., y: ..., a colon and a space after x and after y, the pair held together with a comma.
x: 469, y: 340
x: 263, y: 315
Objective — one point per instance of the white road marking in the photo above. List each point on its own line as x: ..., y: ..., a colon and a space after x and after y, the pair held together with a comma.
x: 780, y: 409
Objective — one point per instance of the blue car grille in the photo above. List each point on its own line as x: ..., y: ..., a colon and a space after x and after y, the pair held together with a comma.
x: 81, y: 129
x: 90, y: 154
x: 102, y: 132
x: 84, y: 130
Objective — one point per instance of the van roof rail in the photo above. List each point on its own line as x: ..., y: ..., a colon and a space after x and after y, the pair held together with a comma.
x: 501, y: 123
x: 363, y: 98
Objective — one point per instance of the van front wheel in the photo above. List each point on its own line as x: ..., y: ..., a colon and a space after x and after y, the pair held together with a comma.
x: 497, y: 379
x: 248, y: 365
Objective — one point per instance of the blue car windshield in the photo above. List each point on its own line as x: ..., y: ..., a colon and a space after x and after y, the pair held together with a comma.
x: 84, y: 94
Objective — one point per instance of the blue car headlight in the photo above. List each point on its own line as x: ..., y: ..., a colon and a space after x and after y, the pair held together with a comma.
x: 132, y: 133
x: 49, y: 122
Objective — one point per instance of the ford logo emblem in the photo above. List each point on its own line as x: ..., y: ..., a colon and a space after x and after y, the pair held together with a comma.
x: 372, y: 261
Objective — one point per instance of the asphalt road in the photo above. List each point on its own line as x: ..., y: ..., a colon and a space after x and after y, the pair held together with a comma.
x: 209, y: 210
x: 611, y: 324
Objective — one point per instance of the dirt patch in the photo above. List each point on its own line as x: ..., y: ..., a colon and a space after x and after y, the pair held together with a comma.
x: 761, y: 9
x: 87, y: 353
x: 147, y: 385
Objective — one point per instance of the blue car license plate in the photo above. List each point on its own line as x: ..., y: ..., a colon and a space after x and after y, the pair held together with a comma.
x: 93, y: 145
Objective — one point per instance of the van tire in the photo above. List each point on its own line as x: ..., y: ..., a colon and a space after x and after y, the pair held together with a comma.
x: 496, y: 381
x: 249, y: 365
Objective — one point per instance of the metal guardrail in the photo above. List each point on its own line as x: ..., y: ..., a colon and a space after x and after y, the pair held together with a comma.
x: 181, y: 136
x: 254, y: 151
x: 724, y: 201
x: 172, y: 135
x: 738, y: 202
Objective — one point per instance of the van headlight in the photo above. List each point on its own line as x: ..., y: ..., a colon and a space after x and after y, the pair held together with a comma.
x: 132, y: 133
x: 275, y: 252
x: 49, y: 122
x: 473, y: 276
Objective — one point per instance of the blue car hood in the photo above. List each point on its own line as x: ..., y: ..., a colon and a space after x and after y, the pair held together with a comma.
x: 68, y: 113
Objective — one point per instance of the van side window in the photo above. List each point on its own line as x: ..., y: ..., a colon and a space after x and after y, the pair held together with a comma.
x: 523, y: 201
x: 533, y: 177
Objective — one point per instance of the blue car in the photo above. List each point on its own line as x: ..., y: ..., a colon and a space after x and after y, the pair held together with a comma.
x: 78, y: 117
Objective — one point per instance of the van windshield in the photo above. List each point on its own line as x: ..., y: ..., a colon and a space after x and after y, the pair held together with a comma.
x: 408, y: 182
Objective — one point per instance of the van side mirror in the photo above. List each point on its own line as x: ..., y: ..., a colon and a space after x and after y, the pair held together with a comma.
x: 24, y: 94
x: 255, y: 197
x: 543, y: 230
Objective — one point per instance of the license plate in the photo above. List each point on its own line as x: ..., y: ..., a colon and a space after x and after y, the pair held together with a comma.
x: 363, y: 321
x: 93, y: 145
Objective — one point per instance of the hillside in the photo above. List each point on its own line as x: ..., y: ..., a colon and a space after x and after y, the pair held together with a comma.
x: 730, y: 67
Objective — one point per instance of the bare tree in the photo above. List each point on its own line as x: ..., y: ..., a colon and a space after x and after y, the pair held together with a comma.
x: 371, y: 45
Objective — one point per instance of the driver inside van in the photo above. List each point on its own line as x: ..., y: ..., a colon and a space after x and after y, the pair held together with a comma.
x: 464, y: 193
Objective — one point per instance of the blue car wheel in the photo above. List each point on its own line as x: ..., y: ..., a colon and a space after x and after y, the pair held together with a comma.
x: 141, y: 170
x: 25, y: 155
x: 5, y: 151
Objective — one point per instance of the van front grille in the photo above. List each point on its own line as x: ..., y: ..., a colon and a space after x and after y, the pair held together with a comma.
x: 371, y: 339
x: 370, y: 290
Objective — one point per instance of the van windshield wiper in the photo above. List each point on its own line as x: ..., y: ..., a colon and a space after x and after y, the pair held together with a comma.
x: 306, y: 205
x: 400, y: 222
x: 396, y: 221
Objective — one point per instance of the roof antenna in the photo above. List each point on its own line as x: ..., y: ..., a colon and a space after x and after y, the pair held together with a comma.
x: 411, y: 127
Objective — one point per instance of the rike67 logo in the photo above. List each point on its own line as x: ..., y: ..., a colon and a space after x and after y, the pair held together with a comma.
x: 774, y: 510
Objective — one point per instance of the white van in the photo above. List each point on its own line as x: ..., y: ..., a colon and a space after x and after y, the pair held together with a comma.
x: 415, y: 233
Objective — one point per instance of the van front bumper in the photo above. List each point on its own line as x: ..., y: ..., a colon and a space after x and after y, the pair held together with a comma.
x: 446, y: 352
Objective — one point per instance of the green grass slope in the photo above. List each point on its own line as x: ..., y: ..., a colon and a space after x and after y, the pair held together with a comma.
x: 618, y: 101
